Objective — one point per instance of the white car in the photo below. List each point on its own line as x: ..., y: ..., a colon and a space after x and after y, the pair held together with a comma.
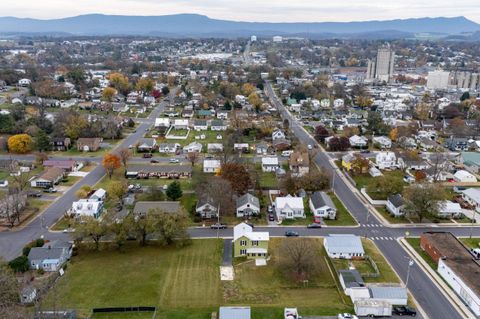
x: 310, y: 146
x: 174, y: 160
x: 346, y: 316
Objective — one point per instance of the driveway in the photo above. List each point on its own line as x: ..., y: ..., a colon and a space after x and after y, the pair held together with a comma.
x: 227, y: 252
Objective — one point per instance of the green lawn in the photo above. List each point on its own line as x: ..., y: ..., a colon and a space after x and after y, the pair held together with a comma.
x: 266, y: 286
x: 473, y: 242
x: 62, y: 223
x: 172, y: 279
x: 102, y: 151
x: 344, y: 218
x: 364, y: 180
x: 70, y: 180
x: 184, y: 283
x: 391, y: 219
x: 415, y: 243
x: 210, y: 137
x: 128, y: 315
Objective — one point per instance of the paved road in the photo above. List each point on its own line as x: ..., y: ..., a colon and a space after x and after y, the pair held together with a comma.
x: 11, y: 243
x: 421, y: 286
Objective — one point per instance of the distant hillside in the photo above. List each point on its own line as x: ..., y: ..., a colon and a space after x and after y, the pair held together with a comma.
x: 198, y: 25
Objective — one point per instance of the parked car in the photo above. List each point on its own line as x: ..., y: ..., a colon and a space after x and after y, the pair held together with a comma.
x: 271, y: 217
x: 346, y: 316
x: 147, y: 155
x: 218, y: 226
x: 34, y: 194
x: 404, y: 311
x: 291, y: 233
x: 50, y: 190
x: 314, y: 225
x: 365, y: 151
x: 270, y: 209
x: 154, y: 161
x: 174, y: 160
x: 310, y: 146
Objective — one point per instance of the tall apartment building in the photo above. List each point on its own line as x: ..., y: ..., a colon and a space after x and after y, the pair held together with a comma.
x: 466, y: 80
x: 438, y: 80
x: 382, y: 68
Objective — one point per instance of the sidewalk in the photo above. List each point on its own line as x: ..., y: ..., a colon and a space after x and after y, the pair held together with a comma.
x: 437, y: 280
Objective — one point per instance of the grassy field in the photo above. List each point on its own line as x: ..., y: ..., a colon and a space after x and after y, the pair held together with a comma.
x: 169, y: 278
x: 184, y: 283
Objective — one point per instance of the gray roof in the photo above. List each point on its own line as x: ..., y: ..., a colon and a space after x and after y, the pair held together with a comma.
x: 248, y: 199
x: 234, y: 313
x: 147, y: 141
x: 351, y: 278
x: 168, y: 207
x: 382, y: 292
x: 344, y: 244
x: 396, y: 200
x: 320, y: 199
x: 42, y: 253
x: 205, y: 200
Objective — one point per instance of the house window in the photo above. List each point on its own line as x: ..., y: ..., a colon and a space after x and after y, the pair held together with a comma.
x: 243, y: 251
x: 243, y: 243
x: 255, y: 243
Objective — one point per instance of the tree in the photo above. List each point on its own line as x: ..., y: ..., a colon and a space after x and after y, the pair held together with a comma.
x: 315, y: 180
x: 142, y: 226
x: 171, y: 227
x: 174, y: 190
x: 420, y: 176
x: 364, y: 101
x: 8, y: 287
x: 145, y: 85
x: 42, y: 141
x: 387, y: 185
x: 124, y: 154
x: 119, y: 82
x: 289, y: 184
x: 20, y: 143
x: 20, y: 264
x: 422, y: 200
x: 116, y: 190
x: 83, y: 192
x: 339, y: 144
x: 92, y: 228
x: 376, y: 125
x: 351, y: 131
x: 321, y: 133
x: 255, y: 100
x: 108, y: 94
x: 120, y: 230
x: 111, y: 162
x: 286, y: 124
x: 193, y: 157
x: 220, y: 191
x: 465, y: 96
x: 393, y: 134
x: 298, y: 258
x: 165, y: 90
x: 360, y: 165
x: 73, y: 124
x: 238, y: 176
x: 248, y: 89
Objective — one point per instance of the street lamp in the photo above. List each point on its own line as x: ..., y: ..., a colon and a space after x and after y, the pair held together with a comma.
x: 410, y: 264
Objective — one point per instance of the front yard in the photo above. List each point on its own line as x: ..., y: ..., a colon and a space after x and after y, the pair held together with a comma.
x: 367, y: 181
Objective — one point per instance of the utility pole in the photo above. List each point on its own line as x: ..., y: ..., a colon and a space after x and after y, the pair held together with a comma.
x: 410, y: 264
x: 473, y: 222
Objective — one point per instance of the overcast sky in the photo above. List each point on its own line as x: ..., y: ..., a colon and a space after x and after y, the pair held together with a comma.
x: 250, y: 10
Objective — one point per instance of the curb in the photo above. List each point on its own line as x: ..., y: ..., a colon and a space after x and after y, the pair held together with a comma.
x: 437, y: 280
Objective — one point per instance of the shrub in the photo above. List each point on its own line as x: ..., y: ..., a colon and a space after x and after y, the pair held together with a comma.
x: 19, y: 264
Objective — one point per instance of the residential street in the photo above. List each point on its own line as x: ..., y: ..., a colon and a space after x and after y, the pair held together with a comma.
x: 431, y: 300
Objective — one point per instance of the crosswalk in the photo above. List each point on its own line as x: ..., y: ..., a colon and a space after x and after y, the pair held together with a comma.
x: 372, y: 225
x: 382, y: 238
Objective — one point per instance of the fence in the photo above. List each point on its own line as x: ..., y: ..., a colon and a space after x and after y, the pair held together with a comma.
x: 153, y: 310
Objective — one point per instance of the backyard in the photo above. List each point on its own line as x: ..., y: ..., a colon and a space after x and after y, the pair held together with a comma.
x: 268, y: 288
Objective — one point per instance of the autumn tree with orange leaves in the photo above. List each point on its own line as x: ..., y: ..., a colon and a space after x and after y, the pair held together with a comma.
x: 111, y: 162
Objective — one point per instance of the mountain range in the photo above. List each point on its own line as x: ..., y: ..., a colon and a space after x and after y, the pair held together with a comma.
x: 182, y: 25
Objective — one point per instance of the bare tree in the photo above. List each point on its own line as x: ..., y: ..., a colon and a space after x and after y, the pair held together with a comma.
x: 298, y: 258
x: 193, y: 157
x: 20, y: 179
x: 124, y: 154
x: 220, y: 191
x: 8, y: 288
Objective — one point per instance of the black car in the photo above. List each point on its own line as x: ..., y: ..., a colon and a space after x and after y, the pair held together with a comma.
x: 271, y: 217
x: 314, y: 225
x: 404, y: 311
x: 291, y: 233
x: 218, y: 226
x: 154, y: 161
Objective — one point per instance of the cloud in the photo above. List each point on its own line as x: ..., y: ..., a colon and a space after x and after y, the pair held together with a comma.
x: 250, y: 10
